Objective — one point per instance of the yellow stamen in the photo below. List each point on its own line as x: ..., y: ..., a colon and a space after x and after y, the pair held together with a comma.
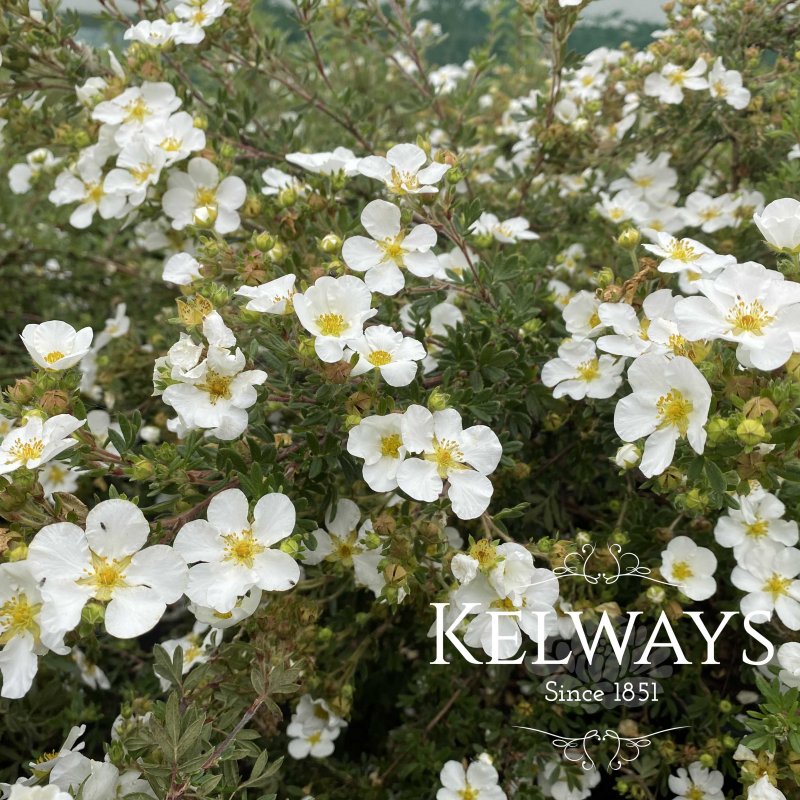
x: 390, y: 445
x: 446, y: 455
x: 589, y: 370
x: 331, y: 324
x: 681, y: 571
x: 683, y: 251
x: 51, y: 358
x: 749, y: 318
x: 106, y: 575
x: 27, y: 451
x: 758, y: 529
x: 18, y: 616
x: 242, y: 548
x: 777, y: 586
x: 485, y: 553
x: 379, y: 358
x: 673, y: 410
x: 218, y: 386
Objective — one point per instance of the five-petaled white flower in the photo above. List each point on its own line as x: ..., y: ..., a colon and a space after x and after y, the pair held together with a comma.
x: 55, y: 345
x: 670, y: 401
x: 37, y: 441
x: 690, y: 568
x: 23, y: 635
x: 479, y: 781
x: 379, y: 441
x: 313, y: 728
x: 579, y: 373
x: 750, y: 305
x: 689, y: 258
x: 726, y: 84
x: 402, y: 170
x: 394, y: 356
x: 463, y: 458
x: 334, y: 310
x: 233, y: 552
x: 509, y: 231
x: 274, y: 297
x: 698, y: 783
x: 668, y: 85
x: 779, y: 224
x: 109, y: 563
x: 390, y: 249
x: 769, y: 575
x: 198, y: 197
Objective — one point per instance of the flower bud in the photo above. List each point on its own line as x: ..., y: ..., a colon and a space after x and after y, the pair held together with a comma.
x: 22, y: 391
x: 55, y: 401
x: 725, y: 706
x: 707, y: 760
x: 717, y: 429
x: 582, y: 538
x: 751, y: 432
x: 656, y: 595
x: 142, y: 469
x: 670, y: 479
x: 277, y: 253
x: 330, y: 244
x: 629, y: 238
x: 264, y: 241
x: 761, y: 408
x: 351, y: 420
x: 627, y: 457
x: 287, y: 197
x: 438, y: 400
x: 290, y: 547
x: 252, y: 206
x: 93, y: 613
x: 18, y: 553
x: 605, y: 277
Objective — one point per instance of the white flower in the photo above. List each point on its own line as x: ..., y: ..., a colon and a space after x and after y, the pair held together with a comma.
x: 622, y: 207
x: 379, y: 441
x: 134, y: 107
x: 464, y: 458
x: 96, y: 780
x: 402, y: 170
x: 763, y: 789
x: 196, y: 647
x: 107, y: 563
x: 627, y: 456
x: 274, y: 297
x: 277, y: 181
x: 23, y: 632
x: 22, y: 792
x: 90, y: 673
x: 215, y: 393
x: 555, y: 783
x: 313, y: 729
x: 37, y: 442
x: 560, y: 293
x: 198, y: 197
x: 84, y: 186
x: 55, y: 476
x: 388, y: 351
x: 668, y: 85
x: 345, y: 542
x: 235, y: 551
x: 690, y: 568
x: 21, y: 176
x: 579, y: 373
x: 726, y: 84
x: 789, y: 660
x: 650, y: 180
x: 758, y: 519
x: 389, y: 249
x: 688, y: 258
x: 181, y: 269
x: 779, y: 224
x: 710, y: 214
x: 535, y: 597
x: 509, y: 231
x: 697, y: 784
x: 479, y: 781
x: 72, y: 744
x: 55, y: 345
x: 327, y: 163
x: 454, y: 263
x: 670, y: 401
x: 334, y: 311
x: 176, y: 137
x: 195, y: 16
x: 445, y: 79
x: 154, y: 33
x: 245, y: 607
x: 770, y: 578
x: 747, y: 304
x: 115, y: 326
x: 581, y: 317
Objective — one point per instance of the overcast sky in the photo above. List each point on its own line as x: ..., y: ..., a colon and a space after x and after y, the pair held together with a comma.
x: 633, y: 9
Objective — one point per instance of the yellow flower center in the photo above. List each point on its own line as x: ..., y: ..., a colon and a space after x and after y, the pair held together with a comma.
x: 777, y: 585
x: 205, y: 197
x: 379, y: 358
x: 594, y: 320
x: 242, y: 547
x: 681, y: 571
x: 217, y: 386
x: 106, y: 575
x: 51, y: 358
x: 57, y: 474
x: 18, y: 616
x: 709, y: 214
x: 485, y: 553
x: 170, y: 144
x: 313, y: 738
x: 344, y: 548
x: 749, y: 318
x: 683, y: 251
x: 446, y: 455
x: 192, y: 653
x: 589, y: 370
x: 331, y: 324
x: 673, y: 410
x: 137, y: 111
x: 94, y: 192
x: 391, y: 444
x: 644, y: 181
x: 758, y: 529
x: 142, y: 172
x: 27, y: 451
x: 719, y: 88
x: 199, y: 17
x: 678, y: 77
x: 695, y: 793
x: 393, y: 249
x: 402, y: 182
x: 616, y: 213
x: 506, y: 604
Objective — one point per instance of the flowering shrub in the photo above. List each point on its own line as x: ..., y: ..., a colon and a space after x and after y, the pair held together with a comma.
x: 312, y: 345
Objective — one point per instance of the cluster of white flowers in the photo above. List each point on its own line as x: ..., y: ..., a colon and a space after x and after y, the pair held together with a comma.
x: 313, y: 729
x: 723, y: 84
x: 193, y: 17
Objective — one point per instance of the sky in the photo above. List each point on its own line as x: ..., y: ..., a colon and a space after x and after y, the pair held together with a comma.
x: 632, y: 9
